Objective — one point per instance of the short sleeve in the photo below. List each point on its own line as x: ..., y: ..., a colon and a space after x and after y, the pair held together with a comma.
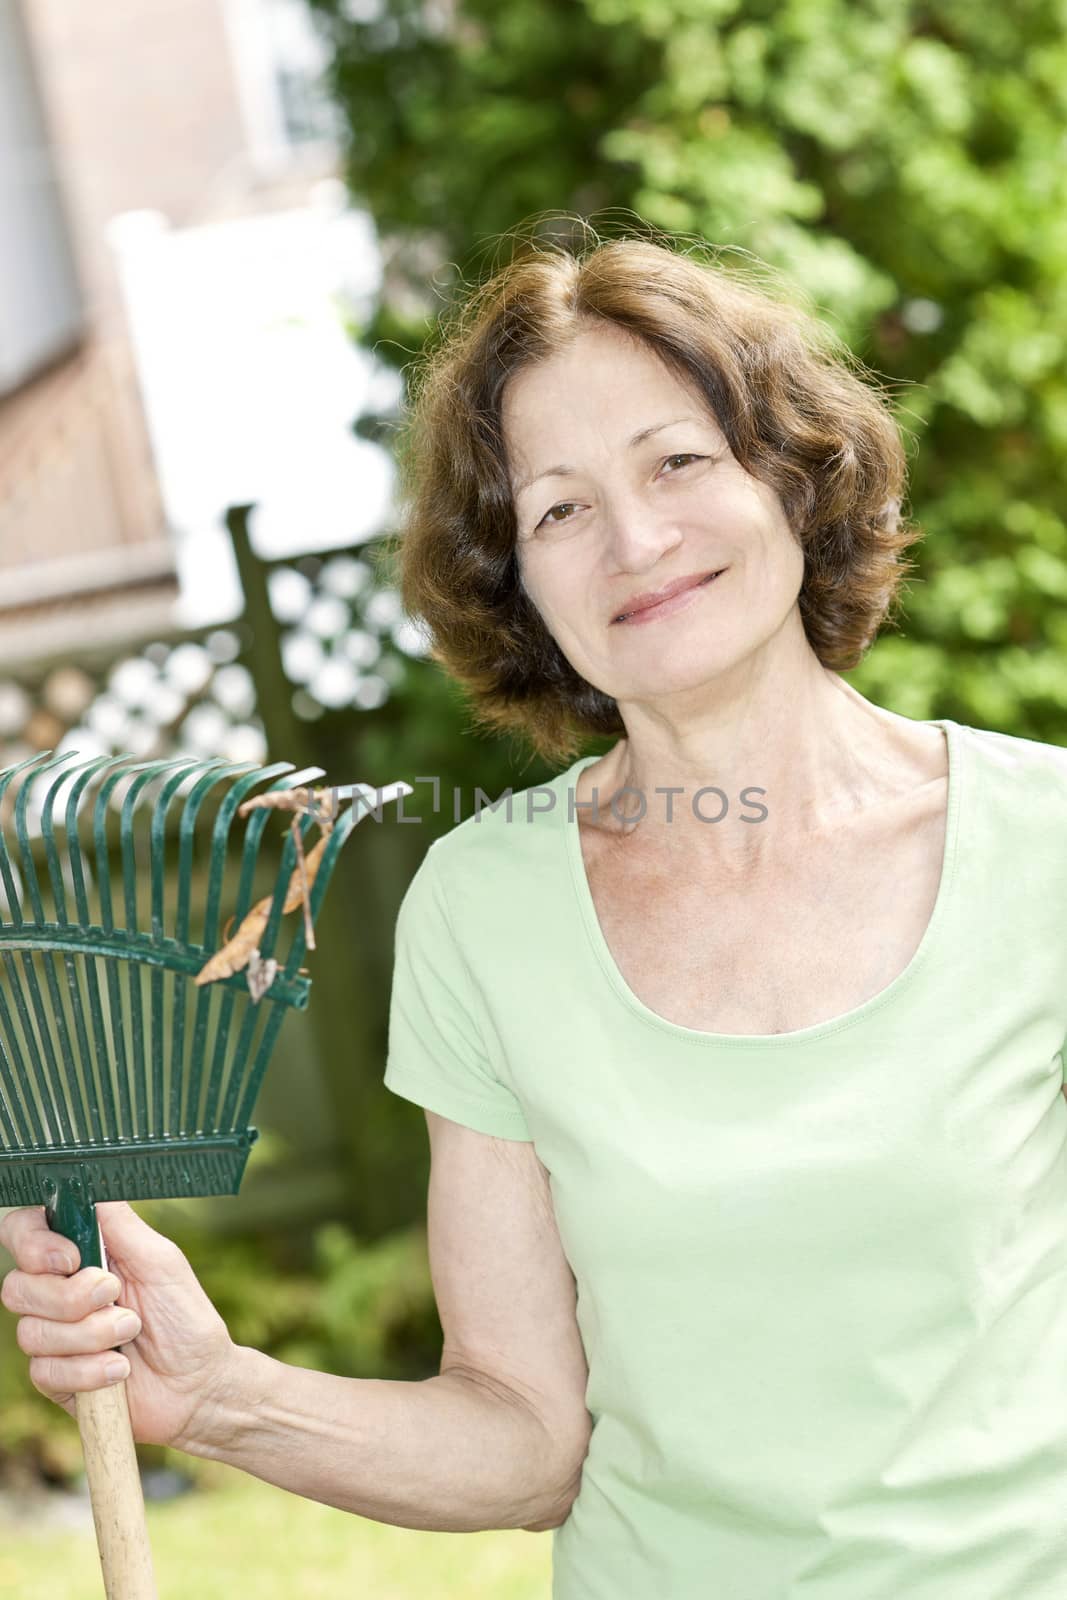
x: 436, y: 1052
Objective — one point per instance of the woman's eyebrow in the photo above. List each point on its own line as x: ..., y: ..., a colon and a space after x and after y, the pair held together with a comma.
x: 569, y: 472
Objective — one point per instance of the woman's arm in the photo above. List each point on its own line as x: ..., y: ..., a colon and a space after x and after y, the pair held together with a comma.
x: 449, y: 1453
x: 495, y: 1440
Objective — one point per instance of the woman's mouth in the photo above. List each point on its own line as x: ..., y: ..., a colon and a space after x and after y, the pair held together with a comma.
x: 667, y: 607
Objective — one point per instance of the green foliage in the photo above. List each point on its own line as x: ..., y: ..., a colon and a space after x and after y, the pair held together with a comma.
x: 901, y: 162
x: 336, y: 1303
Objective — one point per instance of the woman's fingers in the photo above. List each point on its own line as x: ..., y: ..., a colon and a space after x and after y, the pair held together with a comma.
x: 46, y: 1294
x: 37, y: 1336
x: 27, y: 1237
x: 134, y: 1248
x: 59, y: 1377
x: 70, y: 1322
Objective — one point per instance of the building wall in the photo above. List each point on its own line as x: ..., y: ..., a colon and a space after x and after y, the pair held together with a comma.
x: 143, y: 104
x: 41, y: 315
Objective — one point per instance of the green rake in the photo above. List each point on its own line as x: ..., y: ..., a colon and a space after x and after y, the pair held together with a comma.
x: 131, y: 1053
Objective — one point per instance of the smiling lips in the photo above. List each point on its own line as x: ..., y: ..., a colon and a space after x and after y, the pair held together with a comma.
x: 663, y: 601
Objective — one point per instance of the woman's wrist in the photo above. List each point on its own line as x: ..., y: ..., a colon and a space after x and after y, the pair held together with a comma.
x: 227, y: 1409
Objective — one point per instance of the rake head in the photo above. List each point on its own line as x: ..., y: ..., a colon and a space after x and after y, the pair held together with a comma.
x: 121, y: 1076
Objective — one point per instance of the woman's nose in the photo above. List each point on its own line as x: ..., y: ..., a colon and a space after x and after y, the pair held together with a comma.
x: 637, y: 534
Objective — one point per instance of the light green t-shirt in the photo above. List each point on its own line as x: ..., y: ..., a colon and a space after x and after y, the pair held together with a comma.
x: 822, y: 1275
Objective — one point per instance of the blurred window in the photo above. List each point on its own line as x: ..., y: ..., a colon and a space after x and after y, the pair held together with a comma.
x: 279, y: 60
x: 41, y: 312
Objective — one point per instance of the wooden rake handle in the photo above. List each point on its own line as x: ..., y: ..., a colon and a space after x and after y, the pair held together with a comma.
x: 105, y: 1428
x: 116, y: 1494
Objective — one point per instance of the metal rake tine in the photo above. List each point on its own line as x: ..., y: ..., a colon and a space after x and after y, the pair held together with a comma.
x: 7, y: 773
x: 18, y: 1101
x: 158, y: 841
x: 255, y: 824
x: 14, y: 905
x: 20, y: 1121
x: 88, y: 1106
x: 186, y: 769
x: 342, y: 827
x: 249, y: 856
x: 104, y: 1100
x: 241, y: 1109
x: 214, y: 771
x: 219, y: 853
x: 22, y: 834
x: 100, y: 805
x: 10, y: 1109
x: 81, y: 899
x: 80, y: 778
x: 297, y: 780
x: 241, y: 1096
x: 190, y: 1101
x: 220, y: 837
x: 340, y: 832
x: 6, y: 776
x: 122, y: 1117
x: 51, y: 1073
x: 159, y: 934
x: 20, y: 1106
x: 145, y: 775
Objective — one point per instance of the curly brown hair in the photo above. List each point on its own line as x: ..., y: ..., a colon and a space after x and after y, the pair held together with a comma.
x: 798, y: 411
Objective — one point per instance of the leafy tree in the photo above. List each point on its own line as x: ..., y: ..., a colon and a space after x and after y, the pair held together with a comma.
x: 902, y: 162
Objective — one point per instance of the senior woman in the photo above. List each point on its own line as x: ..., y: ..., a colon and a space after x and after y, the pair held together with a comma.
x: 741, y: 1046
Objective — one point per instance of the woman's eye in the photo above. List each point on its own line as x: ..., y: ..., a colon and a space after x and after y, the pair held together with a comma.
x: 553, y: 521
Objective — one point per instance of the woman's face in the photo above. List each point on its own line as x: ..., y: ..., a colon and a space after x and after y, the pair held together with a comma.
x: 605, y: 515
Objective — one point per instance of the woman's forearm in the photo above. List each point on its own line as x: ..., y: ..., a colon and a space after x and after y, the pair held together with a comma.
x: 450, y: 1453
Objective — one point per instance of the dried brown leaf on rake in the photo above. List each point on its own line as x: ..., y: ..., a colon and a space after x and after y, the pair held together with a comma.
x: 236, y: 953
x: 322, y: 804
x: 243, y: 948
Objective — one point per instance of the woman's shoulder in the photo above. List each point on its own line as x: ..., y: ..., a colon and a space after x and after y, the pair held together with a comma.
x: 1015, y: 795
x: 1017, y: 759
x: 507, y: 840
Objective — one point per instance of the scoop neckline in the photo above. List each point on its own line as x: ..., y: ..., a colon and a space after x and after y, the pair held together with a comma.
x: 796, y: 1036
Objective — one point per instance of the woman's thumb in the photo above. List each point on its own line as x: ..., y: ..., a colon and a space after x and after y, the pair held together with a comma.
x: 128, y: 1239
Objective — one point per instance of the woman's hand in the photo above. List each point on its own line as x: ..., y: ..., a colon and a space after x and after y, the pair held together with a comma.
x: 179, y: 1352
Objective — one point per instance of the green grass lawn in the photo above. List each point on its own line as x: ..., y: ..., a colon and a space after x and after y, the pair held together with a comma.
x: 240, y: 1536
